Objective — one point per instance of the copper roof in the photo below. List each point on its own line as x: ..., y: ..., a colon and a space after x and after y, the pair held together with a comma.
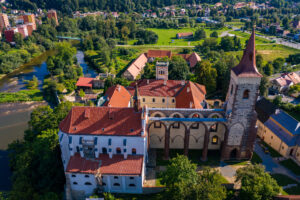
x: 247, y: 65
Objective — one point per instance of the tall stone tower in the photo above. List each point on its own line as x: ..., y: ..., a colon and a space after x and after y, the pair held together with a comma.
x: 162, y: 71
x: 240, y: 106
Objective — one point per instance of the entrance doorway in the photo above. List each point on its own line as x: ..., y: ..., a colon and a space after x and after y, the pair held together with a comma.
x: 233, y: 154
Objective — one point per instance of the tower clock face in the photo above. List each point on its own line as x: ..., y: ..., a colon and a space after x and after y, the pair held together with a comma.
x: 235, y: 134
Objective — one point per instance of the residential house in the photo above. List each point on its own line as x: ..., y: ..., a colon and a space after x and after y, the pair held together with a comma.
x: 283, y: 83
x: 187, y: 35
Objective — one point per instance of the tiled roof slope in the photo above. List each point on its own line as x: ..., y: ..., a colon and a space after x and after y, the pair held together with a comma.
x: 102, y: 121
x: 116, y: 165
x: 117, y: 96
x: 191, y: 96
x: 159, y: 53
x: 84, y: 82
x: 137, y: 66
x: 287, y: 121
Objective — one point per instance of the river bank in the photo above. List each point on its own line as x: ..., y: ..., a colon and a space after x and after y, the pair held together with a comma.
x: 14, y: 119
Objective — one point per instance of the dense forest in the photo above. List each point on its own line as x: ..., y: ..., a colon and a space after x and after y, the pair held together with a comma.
x: 68, y: 6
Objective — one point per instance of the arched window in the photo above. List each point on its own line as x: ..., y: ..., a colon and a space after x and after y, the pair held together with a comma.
x: 75, y: 183
x: 215, y: 140
x: 103, y: 184
x: 104, y: 150
x: 157, y: 124
x: 87, y: 183
x: 86, y: 176
x: 133, y: 151
x: 116, y: 184
x: 246, y: 94
x: 73, y: 175
x: 163, y: 100
x: 118, y: 150
x: 176, y: 124
x: 131, y: 185
x: 214, y: 128
x: 131, y: 178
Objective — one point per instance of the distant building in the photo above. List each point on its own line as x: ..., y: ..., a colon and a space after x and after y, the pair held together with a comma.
x: 22, y: 29
x: 87, y: 84
x: 138, y: 65
x: 184, y: 35
x: 283, y: 83
x: 29, y: 18
x: 296, y: 24
x: 9, y: 34
x: 4, y: 22
x: 51, y: 14
x: 279, y: 130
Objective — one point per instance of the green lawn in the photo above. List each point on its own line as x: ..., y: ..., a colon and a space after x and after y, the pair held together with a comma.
x: 283, y: 180
x: 236, y: 24
x: 23, y: 95
x: 272, y: 151
x: 168, y: 36
x: 291, y: 165
x: 213, y: 157
x: 245, y: 36
x: 256, y: 159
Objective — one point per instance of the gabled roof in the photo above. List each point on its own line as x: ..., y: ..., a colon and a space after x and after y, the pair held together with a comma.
x: 159, y: 53
x: 294, y: 77
x: 156, y: 87
x: 194, y: 59
x: 247, y: 65
x: 117, y: 96
x: 185, y: 34
x: 191, y: 96
x: 84, y: 82
x: 287, y: 121
x: 102, y: 121
x: 116, y: 165
x: 137, y: 66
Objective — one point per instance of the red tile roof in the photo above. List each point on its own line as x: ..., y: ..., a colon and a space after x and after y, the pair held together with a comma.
x: 84, y: 82
x: 191, y: 96
x: 102, y: 121
x: 156, y: 87
x: 247, y: 65
x: 159, y: 54
x: 193, y: 59
x: 137, y: 66
x: 116, y: 165
x: 117, y: 96
x: 189, y: 34
x: 173, y: 88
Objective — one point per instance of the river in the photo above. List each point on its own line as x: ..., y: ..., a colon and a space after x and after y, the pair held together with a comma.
x: 14, y: 117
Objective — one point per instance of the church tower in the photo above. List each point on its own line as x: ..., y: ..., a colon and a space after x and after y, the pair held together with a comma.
x: 162, y: 72
x: 240, y: 106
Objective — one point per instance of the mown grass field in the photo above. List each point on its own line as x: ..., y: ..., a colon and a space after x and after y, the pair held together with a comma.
x: 168, y: 36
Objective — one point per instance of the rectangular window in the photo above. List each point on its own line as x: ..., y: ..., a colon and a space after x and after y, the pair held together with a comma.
x: 144, y: 99
x: 109, y: 141
x: 153, y: 100
x: 163, y: 100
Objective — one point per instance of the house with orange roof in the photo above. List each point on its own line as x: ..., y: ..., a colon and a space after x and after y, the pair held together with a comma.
x: 184, y: 35
x: 116, y: 96
x: 283, y: 83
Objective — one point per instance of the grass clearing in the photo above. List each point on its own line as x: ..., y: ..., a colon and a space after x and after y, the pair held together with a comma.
x: 283, y: 180
x: 168, y: 36
x: 213, y: 157
x: 21, y: 96
x: 291, y: 165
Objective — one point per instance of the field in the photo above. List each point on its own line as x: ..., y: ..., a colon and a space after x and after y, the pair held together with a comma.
x: 24, y: 95
x: 168, y: 36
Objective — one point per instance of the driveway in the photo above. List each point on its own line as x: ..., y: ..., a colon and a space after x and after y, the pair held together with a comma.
x: 272, y: 165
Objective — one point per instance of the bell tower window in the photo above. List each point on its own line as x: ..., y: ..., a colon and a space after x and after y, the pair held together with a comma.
x: 231, y: 90
x: 246, y: 94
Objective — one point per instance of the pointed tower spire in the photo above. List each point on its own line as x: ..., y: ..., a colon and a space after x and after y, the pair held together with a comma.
x: 247, y: 65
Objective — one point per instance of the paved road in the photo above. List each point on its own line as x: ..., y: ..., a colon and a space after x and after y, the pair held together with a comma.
x: 153, y: 46
x: 272, y: 164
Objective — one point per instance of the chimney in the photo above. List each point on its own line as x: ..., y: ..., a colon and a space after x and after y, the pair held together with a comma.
x: 188, y: 89
x: 119, y: 88
x: 86, y: 113
x: 147, y: 81
x: 277, y: 111
x: 182, y: 83
x: 165, y: 82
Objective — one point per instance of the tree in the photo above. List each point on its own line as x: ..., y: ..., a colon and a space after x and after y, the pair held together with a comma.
x: 199, y: 34
x: 268, y: 69
x: 206, y: 75
x: 81, y: 93
x: 214, y: 34
x: 256, y: 184
x: 278, y: 64
x: 18, y: 39
x: 178, y: 68
x: 149, y: 71
x: 125, y: 33
x: 259, y: 61
x: 227, y: 43
x: 264, y: 86
x: 33, y: 83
